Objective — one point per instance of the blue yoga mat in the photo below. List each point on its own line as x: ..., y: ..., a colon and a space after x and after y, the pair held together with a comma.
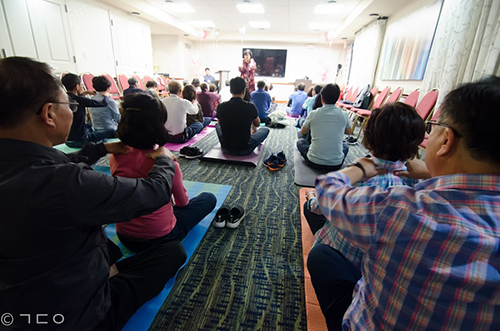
x: 143, y: 318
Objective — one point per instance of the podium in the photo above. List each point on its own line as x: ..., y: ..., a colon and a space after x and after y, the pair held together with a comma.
x: 223, y: 76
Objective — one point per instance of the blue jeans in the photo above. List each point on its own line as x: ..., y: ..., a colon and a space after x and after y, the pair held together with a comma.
x: 92, y: 136
x: 303, y: 145
x: 187, y: 218
x: 255, y: 140
x: 189, y: 132
x: 333, y: 278
x: 206, y: 121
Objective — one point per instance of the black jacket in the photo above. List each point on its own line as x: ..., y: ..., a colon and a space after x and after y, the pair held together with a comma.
x: 53, y: 257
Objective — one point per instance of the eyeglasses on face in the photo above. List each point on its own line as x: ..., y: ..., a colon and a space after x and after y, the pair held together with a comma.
x: 73, y: 105
x: 429, y: 124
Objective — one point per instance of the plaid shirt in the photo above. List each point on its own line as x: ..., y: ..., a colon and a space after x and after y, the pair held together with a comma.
x: 329, y: 235
x: 432, y: 252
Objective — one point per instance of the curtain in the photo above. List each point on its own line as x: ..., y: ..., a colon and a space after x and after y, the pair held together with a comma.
x: 466, y: 46
x: 366, y: 52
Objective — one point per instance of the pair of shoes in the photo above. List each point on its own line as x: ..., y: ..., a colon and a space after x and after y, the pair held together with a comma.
x: 351, y: 140
x: 229, y: 217
x: 190, y: 152
x: 275, y: 162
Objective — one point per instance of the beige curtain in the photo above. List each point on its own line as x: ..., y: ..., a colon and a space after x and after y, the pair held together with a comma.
x: 466, y: 46
x: 366, y: 51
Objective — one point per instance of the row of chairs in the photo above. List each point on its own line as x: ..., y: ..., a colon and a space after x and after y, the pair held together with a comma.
x: 425, y: 108
x: 120, y: 84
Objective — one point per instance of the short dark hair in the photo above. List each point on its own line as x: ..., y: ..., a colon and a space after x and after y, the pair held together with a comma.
x: 151, y: 83
x: 394, y: 131
x: 70, y: 81
x: 472, y: 110
x: 247, y: 51
x: 101, y: 83
x: 330, y: 93
x: 317, y: 89
x: 207, y: 69
x: 204, y: 86
x: 25, y: 86
x: 237, y: 85
x: 142, y: 124
x: 174, y: 87
x: 189, y: 92
x: 261, y: 84
x: 301, y: 86
x: 195, y: 82
x: 132, y: 81
x: 212, y: 87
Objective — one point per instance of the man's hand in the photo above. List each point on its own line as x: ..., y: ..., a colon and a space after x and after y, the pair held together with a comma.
x: 106, y: 94
x: 116, y: 148
x: 161, y: 151
x: 84, y: 93
x: 416, y: 170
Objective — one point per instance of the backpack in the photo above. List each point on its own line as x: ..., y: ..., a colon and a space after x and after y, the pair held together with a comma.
x: 364, y: 98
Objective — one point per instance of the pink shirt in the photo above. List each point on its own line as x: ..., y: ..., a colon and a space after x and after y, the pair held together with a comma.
x: 160, y: 222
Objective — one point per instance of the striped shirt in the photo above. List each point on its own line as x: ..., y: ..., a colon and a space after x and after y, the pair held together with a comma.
x: 329, y: 235
x: 432, y: 252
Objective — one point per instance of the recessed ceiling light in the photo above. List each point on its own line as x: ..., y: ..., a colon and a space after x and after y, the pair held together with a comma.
x: 319, y: 26
x: 178, y: 8
x: 248, y: 8
x: 374, y: 14
x: 259, y: 25
x: 203, y: 24
x: 136, y: 13
x: 344, y: 38
x: 329, y: 8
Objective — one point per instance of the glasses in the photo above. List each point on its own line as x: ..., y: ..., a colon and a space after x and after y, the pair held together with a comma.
x: 73, y: 105
x: 429, y: 124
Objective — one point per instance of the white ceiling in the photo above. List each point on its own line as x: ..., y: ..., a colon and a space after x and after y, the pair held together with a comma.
x: 289, y: 19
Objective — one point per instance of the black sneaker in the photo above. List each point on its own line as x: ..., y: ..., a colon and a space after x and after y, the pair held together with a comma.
x: 281, y: 159
x: 192, y: 152
x: 183, y: 151
x: 351, y: 140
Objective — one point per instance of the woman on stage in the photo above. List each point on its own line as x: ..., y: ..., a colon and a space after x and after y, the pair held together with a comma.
x: 247, y: 70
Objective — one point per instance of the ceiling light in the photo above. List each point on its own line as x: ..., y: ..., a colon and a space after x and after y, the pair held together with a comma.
x: 136, y: 13
x: 330, y: 8
x: 179, y: 8
x: 259, y: 25
x: 248, y: 8
x: 319, y: 26
x: 203, y: 24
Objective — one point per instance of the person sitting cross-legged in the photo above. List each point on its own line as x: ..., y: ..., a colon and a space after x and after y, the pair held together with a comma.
x: 321, y: 141
x: 55, y: 259
x: 104, y: 118
x: 133, y: 87
x: 177, y: 109
x: 431, y: 252
x: 141, y: 129
x: 238, y: 121
x: 262, y: 100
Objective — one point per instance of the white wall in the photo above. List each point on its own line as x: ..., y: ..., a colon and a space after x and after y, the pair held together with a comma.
x: 93, y: 40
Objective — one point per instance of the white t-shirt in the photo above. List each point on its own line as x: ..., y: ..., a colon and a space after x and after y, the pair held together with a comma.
x: 327, y: 125
x: 177, y: 109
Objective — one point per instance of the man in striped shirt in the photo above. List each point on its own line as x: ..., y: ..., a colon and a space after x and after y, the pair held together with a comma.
x: 432, y: 251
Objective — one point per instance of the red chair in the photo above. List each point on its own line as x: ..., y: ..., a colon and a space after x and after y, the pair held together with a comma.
x: 146, y: 79
x: 373, y: 93
x: 412, y: 99
x: 351, y: 98
x: 87, y: 81
x: 395, y: 95
x: 162, y: 86
x: 123, y: 82
x: 141, y: 84
x: 113, y: 90
x: 427, y: 104
x: 366, y: 113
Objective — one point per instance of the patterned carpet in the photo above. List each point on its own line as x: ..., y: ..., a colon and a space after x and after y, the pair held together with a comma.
x: 250, y: 278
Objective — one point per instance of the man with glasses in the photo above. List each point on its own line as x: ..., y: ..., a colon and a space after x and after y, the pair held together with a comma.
x: 56, y: 265
x: 432, y: 251
x: 81, y: 132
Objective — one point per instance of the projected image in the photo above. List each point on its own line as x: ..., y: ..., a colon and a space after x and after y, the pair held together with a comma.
x: 270, y: 62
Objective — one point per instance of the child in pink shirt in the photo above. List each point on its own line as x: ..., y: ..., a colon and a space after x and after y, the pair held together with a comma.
x: 142, y: 128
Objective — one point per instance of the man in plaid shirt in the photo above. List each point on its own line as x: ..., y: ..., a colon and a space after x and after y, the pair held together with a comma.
x: 432, y: 251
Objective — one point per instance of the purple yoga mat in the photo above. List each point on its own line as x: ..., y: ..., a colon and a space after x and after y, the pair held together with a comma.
x: 216, y: 154
x: 177, y: 147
